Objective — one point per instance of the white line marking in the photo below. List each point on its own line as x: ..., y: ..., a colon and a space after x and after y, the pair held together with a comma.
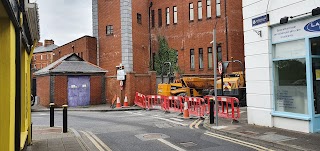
x: 176, y: 119
x: 170, y: 121
x: 171, y: 145
x: 197, y: 125
x: 95, y: 143
x: 99, y: 141
x: 243, y: 143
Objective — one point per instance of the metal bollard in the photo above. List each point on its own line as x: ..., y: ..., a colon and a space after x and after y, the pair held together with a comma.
x: 51, y: 114
x: 65, y: 121
x: 211, y: 111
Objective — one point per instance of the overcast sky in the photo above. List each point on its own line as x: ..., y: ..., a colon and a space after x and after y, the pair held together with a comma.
x: 64, y: 20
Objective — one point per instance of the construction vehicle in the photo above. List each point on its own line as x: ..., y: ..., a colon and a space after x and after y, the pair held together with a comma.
x: 233, y: 85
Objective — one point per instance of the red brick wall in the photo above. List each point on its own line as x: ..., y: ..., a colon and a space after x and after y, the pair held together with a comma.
x: 95, y: 90
x: 83, y: 46
x: 43, y: 90
x: 45, y: 61
x: 109, y: 46
x: 60, y: 90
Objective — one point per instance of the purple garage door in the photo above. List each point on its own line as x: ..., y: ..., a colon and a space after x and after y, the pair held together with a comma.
x: 78, y: 90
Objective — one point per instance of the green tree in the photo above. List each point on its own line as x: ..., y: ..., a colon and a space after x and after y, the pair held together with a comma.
x: 165, y: 54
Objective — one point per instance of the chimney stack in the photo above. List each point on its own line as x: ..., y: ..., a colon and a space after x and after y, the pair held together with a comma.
x: 39, y: 44
x: 48, y: 42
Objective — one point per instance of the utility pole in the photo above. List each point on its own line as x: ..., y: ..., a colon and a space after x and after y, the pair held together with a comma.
x: 214, y: 43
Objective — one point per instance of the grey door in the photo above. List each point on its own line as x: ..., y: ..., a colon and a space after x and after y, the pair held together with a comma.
x: 78, y: 90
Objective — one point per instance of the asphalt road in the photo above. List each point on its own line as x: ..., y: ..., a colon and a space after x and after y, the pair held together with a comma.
x: 144, y: 131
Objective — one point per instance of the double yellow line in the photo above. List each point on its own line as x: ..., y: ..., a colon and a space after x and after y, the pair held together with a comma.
x: 236, y: 141
x: 96, y: 141
x: 196, y: 124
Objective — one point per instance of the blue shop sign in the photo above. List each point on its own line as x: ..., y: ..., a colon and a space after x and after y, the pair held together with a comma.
x: 313, y: 26
x: 260, y: 20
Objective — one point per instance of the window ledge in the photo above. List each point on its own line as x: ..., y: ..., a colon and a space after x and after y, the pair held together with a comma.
x: 191, y: 21
x: 199, y: 19
x: 209, y: 18
x: 291, y: 115
x: 201, y: 69
x: 210, y: 68
x: 192, y: 70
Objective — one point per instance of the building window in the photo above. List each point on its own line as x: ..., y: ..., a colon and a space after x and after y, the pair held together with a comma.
x: 218, y: 8
x: 192, y: 58
x: 219, y: 54
x: 167, y: 16
x: 199, y: 10
x: 191, y: 13
x: 81, y: 54
x: 47, y: 57
x: 40, y: 57
x: 290, y: 84
x: 139, y: 18
x: 200, y: 58
x: 41, y: 66
x: 35, y: 66
x: 152, y: 18
x: 159, y: 17
x: 175, y: 14
x: 34, y: 57
x: 208, y: 8
x: 109, y: 30
x: 210, y: 58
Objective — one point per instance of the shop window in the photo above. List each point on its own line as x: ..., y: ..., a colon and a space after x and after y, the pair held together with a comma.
x: 139, y: 18
x: 199, y: 10
x: 159, y: 17
x: 175, y: 14
x: 191, y: 13
x: 290, y: 84
x: 210, y: 58
x: 315, y: 50
x: 167, y: 16
x: 200, y: 58
x: 218, y: 8
x: 192, y: 59
x: 152, y: 18
x: 109, y: 30
x: 208, y: 8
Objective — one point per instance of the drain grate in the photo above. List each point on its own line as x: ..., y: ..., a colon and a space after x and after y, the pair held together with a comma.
x: 151, y: 136
x: 188, y: 144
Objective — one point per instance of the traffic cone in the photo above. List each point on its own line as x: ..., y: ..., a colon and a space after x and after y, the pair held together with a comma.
x: 125, y: 103
x: 185, y: 110
x: 118, y: 103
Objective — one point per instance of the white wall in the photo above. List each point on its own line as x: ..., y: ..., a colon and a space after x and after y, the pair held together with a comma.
x: 258, y: 56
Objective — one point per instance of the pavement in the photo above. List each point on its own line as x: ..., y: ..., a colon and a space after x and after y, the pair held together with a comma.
x: 268, y: 136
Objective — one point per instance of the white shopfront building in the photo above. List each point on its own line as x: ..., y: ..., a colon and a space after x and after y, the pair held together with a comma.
x: 283, y: 63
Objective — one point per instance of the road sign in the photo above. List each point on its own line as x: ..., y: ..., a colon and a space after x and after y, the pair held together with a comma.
x: 220, y: 67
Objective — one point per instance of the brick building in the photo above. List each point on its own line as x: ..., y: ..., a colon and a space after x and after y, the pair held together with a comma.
x: 122, y: 30
x: 85, y: 47
x: 43, y: 54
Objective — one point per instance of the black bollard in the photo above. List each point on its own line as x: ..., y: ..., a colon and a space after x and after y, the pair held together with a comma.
x: 51, y: 114
x: 211, y: 111
x: 65, y: 121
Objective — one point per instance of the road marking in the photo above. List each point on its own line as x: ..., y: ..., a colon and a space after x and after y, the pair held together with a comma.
x: 236, y: 141
x: 194, y: 122
x: 175, y: 122
x: 171, y: 145
x: 99, y: 141
x: 95, y: 143
x: 176, y: 119
x: 197, y: 125
x: 134, y: 113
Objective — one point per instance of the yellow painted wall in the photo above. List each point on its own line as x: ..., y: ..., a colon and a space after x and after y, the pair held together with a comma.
x: 7, y: 83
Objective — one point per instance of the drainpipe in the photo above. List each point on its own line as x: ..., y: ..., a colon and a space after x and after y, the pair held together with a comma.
x: 226, y: 24
x: 17, y: 127
x: 150, y: 52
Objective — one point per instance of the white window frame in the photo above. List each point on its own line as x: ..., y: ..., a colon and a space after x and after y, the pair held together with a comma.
x: 167, y: 16
x: 208, y: 8
x: 191, y: 12
x: 218, y: 8
x: 199, y: 10
x: 175, y: 14
x: 201, y: 65
x: 192, y: 60
x: 210, y: 58
x: 40, y: 57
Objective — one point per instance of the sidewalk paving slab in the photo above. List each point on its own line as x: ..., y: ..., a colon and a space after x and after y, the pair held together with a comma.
x: 268, y: 136
x: 92, y: 108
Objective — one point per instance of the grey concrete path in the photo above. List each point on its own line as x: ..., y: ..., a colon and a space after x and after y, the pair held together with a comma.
x: 270, y: 136
x: 52, y: 139
x: 95, y: 108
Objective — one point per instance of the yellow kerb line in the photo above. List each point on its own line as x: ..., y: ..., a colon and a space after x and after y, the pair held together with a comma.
x: 194, y: 122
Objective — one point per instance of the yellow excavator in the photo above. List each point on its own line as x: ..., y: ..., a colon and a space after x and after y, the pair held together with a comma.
x: 233, y: 85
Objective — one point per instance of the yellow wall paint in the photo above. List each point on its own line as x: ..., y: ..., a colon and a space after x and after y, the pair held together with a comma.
x: 7, y: 83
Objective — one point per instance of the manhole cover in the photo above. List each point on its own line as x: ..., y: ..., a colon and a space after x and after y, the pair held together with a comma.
x: 188, y: 144
x: 151, y: 136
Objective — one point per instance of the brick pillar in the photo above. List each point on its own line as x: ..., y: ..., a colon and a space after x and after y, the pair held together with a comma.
x: 153, y: 82
x: 130, y: 87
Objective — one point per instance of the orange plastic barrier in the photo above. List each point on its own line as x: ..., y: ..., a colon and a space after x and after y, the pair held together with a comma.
x: 140, y: 100
x: 173, y: 104
x: 156, y: 102
x: 228, y: 106
x: 195, y: 106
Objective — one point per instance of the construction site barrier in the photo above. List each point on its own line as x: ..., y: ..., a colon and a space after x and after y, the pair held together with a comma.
x: 140, y: 100
x: 228, y: 106
x: 195, y: 106
x: 173, y: 104
x: 156, y: 102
